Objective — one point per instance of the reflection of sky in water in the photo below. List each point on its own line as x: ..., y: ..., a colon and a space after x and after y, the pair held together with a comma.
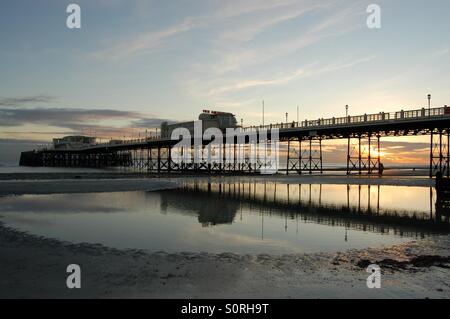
x: 197, y: 221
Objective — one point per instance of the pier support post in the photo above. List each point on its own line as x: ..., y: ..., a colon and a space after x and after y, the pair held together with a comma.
x: 169, y: 159
x: 311, y: 162
x: 321, y: 158
x: 359, y: 157
x: 379, y: 154
x: 348, y: 155
x: 439, y: 152
x: 288, y: 156
x: 224, y: 155
x: 300, y: 155
x: 431, y: 153
x: 369, y: 160
x: 310, y: 155
x: 159, y: 159
x: 448, y: 153
x: 149, y: 159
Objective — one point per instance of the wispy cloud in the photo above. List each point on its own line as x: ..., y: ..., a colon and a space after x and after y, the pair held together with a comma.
x: 220, y: 75
x: 149, y: 122
x: 18, y: 101
x: 234, y: 8
x: 441, y: 53
x: 251, y: 83
x: 334, y: 22
x: 59, y: 116
x: 146, y: 42
x: 310, y: 70
x: 105, y: 122
x: 248, y: 28
x: 271, y: 14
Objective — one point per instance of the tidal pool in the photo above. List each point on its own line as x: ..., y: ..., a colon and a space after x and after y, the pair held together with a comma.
x: 234, y: 217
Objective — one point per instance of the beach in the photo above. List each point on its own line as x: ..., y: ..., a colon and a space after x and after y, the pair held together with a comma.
x: 34, y: 266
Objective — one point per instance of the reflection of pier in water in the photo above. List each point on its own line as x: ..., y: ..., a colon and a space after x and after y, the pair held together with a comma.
x: 360, y: 210
x: 205, y: 207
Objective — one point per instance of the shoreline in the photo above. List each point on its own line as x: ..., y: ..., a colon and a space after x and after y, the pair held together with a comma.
x: 88, y: 183
x: 69, y: 186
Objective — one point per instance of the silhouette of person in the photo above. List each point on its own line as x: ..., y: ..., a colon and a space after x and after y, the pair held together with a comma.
x: 381, y: 169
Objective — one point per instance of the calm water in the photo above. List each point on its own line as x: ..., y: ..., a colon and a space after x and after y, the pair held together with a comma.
x: 238, y: 217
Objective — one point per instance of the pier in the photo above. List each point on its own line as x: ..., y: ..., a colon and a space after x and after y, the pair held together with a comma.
x: 303, y: 141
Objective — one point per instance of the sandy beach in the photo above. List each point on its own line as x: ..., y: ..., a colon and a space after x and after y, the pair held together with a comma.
x: 35, y: 267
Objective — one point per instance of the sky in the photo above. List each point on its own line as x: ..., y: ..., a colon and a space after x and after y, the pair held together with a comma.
x: 135, y: 63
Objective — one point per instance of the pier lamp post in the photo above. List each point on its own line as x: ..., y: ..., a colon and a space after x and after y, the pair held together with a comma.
x: 263, y: 113
x: 429, y: 104
x: 286, y: 117
x: 346, y: 114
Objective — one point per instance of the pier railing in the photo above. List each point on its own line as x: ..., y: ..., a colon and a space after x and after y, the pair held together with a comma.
x: 381, y: 117
x: 422, y: 113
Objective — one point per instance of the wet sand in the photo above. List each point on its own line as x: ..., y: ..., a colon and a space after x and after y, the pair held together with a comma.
x: 35, y: 267
x: 65, y: 186
x: 42, y: 183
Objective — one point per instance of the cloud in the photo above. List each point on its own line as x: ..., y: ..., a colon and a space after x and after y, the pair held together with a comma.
x: 275, y: 12
x: 332, y: 22
x: 149, y: 122
x: 234, y: 8
x: 61, y: 117
x: 104, y: 123
x: 230, y: 59
x: 249, y: 28
x: 393, y: 152
x: 17, y: 101
x: 441, y: 52
x: 311, y: 70
x: 250, y: 83
x: 145, y: 42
